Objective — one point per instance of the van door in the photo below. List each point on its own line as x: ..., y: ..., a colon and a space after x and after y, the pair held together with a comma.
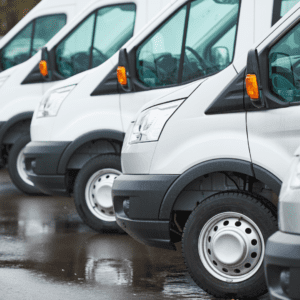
x: 274, y: 134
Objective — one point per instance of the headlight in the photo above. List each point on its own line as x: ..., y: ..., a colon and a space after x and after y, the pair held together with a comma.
x: 295, y: 174
x: 52, y: 101
x: 150, y: 122
x: 2, y: 80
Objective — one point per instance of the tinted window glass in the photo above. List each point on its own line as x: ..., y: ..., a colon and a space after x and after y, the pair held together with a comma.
x: 18, y: 49
x: 46, y: 28
x: 286, y: 5
x: 96, y: 39
x: 159, y: 56
x: 210, y: 49
x: 72, y: 55
x: 284, y: 67
x: 114, y: 27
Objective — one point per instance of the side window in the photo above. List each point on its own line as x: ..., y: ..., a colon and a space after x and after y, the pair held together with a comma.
x: 210, y: 49
x: 72, y: 54
x: 45, y: 29
x: 18, y: 49
x: 284, y: 67
x: 286, y: 5
x: 158, y: 57
x: 169, y: 57
x: 29, y: 40
x: 96, y: 39
x: 114, y: 27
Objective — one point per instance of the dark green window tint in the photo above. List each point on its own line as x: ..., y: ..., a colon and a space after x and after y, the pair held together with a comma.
x: 169, y: 57
x: 29, y: 40
x: 284, y: 67
x: 286, y: 5
x: 114, y: 27
x: 18, y: 49
x: 158, y: 57
x: 96, y: 39
x: 45, y: 29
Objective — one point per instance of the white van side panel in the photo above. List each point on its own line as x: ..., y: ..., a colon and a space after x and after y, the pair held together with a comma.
x: 191, y: 137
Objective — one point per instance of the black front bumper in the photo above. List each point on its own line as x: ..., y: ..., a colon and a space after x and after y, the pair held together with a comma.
x: 42, y: 160
x: 137, y: 201
x: 282, y: 266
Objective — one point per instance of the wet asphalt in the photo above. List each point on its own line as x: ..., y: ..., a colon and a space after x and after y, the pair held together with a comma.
x: 46, y: 252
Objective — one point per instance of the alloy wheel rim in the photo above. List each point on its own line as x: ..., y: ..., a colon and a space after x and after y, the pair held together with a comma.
x: 98, y: 194
x: 21, y: 168
x: 231, y: 247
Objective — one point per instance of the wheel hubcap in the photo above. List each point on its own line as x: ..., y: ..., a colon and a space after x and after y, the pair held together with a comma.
x: 98, y: 194
x: 231, y: 247
x: 21, y: 168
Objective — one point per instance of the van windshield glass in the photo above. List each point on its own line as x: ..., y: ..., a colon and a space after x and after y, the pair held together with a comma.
x: 286, y: 5
x: 169, y: 57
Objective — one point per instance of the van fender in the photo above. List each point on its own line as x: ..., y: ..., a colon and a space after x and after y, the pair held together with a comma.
x: 216, y: 165
x: 104, y: 134
x: 13, y: 121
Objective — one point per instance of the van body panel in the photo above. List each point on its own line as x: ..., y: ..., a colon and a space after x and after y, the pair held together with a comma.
x: 198, y: 136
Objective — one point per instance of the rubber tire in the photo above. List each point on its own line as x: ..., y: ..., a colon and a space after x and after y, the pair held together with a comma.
x: 246, y: 204
x: 12, y: 167
x: 95, y: 164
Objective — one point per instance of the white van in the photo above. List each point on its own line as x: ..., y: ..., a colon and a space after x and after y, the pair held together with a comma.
x: 35, y: 30
x: 204, y: 165
x: 78, y: 130
x: 93, y: 36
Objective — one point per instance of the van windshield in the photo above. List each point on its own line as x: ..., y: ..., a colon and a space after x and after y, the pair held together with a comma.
x: 198, y: 40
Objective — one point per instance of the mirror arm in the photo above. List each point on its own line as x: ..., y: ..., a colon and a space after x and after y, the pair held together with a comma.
x: 124, y: 62
x: 253, y: 68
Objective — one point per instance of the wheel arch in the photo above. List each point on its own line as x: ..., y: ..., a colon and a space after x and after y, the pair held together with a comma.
x: 69, y: 158
x: 11, y: 130
x: 4, y: 137
x: 172, y: 196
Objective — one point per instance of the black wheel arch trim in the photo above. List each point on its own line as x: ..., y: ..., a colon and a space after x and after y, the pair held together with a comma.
x: 12, y: 121
x: 88, y: 137
x: 216, y: 165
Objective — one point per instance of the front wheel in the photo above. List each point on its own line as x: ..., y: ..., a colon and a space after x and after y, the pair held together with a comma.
x: 224, y: 244
x: 16, y: 167
x: 92, y: 193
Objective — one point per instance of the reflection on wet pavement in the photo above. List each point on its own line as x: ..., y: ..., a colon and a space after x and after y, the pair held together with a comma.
x: 46, y: 252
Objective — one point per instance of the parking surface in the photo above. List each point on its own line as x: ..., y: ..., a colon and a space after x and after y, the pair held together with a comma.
x: 46, y: 252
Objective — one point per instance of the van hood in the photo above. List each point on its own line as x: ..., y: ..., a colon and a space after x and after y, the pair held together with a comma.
x: 8, y: 72
x: 70, y: 81
x: 181, y: 93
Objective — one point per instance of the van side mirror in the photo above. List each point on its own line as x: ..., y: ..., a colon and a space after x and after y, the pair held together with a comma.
x: 123, y: 74
x: 253, y: 80
x: 44, y: 64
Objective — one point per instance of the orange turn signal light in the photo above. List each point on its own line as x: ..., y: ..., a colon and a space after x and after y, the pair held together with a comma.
x: 43, y: 68
x: 121, y: 74
x: 252, y: 86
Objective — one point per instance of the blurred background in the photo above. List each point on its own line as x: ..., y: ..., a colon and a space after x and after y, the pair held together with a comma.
x: 12, y: 11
